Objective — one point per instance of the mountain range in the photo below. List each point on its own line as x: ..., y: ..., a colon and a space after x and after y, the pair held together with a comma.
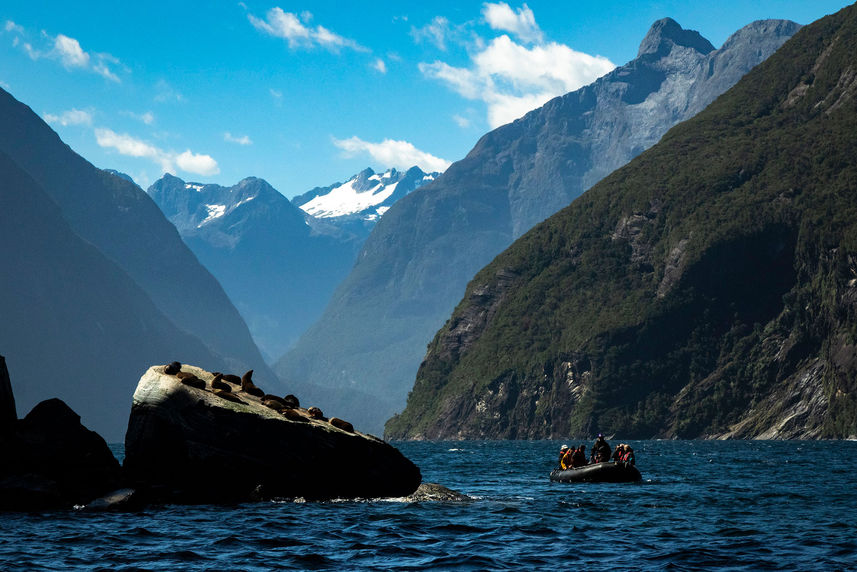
x: 707, y: 289
x: 279, y: 263
x: 362, y: 356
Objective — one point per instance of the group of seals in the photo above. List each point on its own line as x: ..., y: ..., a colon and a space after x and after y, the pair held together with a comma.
x: 288, y: 406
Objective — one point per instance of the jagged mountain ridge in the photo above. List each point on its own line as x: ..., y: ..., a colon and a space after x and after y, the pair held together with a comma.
x: 415, y: 265
x: 364, y: 197
x: 707, y: 289
x: 276, y: 264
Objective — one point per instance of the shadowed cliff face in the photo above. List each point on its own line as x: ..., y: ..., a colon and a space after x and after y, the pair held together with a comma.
x: 707, y: 289
x: 74, y: 325
x: 418, y: 260
x: 125, y: 225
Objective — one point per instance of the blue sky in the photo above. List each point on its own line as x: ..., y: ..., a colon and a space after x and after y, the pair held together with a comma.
x: 306, y: 94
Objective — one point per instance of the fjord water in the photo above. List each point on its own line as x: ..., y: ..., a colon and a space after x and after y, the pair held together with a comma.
x: 742, y: 505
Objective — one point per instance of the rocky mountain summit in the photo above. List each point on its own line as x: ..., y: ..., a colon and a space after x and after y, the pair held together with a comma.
x: 364, y: 352
x: 277, y: 266
x: 357, y: 204
x: 706, y: 289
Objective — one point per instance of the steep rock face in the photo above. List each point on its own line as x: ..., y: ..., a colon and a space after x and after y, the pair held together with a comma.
x: 276, y: 268
x: 122, y: 222
x: 419, y: 258
x: 8, y: 414
x: 75, y: 326
x: 50, y: 460
x: 196, y: 446
x: 707, y: 289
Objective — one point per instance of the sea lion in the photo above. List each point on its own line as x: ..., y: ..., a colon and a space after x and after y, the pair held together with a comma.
x: 228, y: 396
x: 172, y: 368
x: 315, y: 413
x: 341, y: 424
x: 294, y: 415
x: 279, y: 400
x: 291, y: 401
x: 233, y: 379
x: 184, y: 374
x: 247, y: 385
x: 217, y: 383
x: 274, y: 404
x: 193, y: 381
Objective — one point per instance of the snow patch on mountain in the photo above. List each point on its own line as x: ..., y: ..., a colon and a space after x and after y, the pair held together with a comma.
x: 346, y: 199
x: 365, y: 196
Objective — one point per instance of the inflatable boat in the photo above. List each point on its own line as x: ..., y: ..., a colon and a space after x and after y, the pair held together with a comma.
x: 598, y: 473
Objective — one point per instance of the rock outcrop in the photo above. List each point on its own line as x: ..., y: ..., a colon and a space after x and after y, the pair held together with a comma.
x: 8, y: 414
x: 186, y: 443
x: 51, y: 461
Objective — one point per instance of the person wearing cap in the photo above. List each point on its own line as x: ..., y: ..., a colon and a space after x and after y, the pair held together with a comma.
x: 600, y: 450
x: 563, y: 451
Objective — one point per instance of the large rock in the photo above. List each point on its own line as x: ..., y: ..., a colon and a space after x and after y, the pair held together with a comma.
x: 50, y: 460
x: 188, y: 444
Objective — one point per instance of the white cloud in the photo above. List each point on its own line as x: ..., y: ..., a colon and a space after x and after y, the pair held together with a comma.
x: 512, y: 79
x: 66, y: 50
x: 380, y: 66
x: 461, y: 121
x: 391, y: 153
x: 70, y: 53
x: 522, y: 23
x: 435, y: 32
x: 70, y: 117
x: 166, y: 93
x: 275, y: 93
x: 197, y: 163
x: 243, y: 140
x: 147, y: 117
x: 11, y: 26
x: 130, y: 146
x: 289, y: 27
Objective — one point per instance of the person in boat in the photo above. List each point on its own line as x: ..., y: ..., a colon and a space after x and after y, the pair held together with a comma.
x: 565, y: 457
x: 628, y: 458
x: 618, y: 452
x: 600, y: 450
x: 579, y: 458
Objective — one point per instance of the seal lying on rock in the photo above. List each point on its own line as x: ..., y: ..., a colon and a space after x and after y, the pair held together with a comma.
x: 218, y: 383
x: 274, y: 404
x: 294, y: 415
x: 192, y: 380
x: 227, y: 395
x: 233, y: 379
x: 172, y: 368
x: 315, y: 413
x: 341, y: 424
x: 292, y: 401
x: 247, y: 385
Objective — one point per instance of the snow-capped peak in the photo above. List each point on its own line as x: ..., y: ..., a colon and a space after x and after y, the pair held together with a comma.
x: 367, y: 194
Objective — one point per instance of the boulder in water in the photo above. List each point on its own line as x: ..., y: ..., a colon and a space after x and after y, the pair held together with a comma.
x: 186, y: 444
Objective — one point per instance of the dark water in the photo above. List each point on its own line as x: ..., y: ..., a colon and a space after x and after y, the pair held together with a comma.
x: 724, y: 505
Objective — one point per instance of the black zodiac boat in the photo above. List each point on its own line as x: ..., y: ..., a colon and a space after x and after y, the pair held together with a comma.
x: 598, y: 473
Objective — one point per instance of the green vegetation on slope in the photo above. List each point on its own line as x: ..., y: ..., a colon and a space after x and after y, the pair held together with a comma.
x: 708, y: 287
